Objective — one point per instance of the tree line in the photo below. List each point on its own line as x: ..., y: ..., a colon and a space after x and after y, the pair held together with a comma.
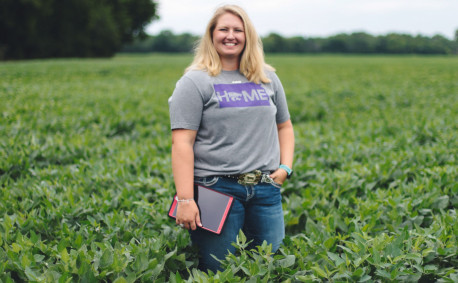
x: 357, y: 42
x: 71, y: 28
x: 87, y: 28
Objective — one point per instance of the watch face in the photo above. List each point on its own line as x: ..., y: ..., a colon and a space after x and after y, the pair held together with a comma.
x: 290, y: 174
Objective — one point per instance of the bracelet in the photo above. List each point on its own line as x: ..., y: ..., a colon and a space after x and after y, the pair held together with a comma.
x: 184, y: 200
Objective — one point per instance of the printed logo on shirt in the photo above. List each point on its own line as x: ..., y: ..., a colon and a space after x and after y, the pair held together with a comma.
x: 241, y: 95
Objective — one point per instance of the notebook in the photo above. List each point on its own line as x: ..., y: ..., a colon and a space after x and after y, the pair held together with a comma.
x: 213, y: 206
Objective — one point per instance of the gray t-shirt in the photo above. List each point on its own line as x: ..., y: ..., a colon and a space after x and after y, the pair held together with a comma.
x: 235, y: 119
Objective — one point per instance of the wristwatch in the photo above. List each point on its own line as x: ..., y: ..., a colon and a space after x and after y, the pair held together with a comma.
x: 287, y: 169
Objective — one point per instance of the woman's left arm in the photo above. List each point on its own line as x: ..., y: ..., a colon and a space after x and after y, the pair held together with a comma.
x: 286, y: 139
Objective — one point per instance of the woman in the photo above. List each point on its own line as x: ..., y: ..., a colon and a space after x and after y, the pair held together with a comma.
x: 230, y: 122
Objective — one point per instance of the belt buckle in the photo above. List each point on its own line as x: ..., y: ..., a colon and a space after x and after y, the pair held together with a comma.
x: 251, y: 178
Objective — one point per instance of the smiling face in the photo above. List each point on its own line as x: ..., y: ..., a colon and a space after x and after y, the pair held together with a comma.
x: 229, y: 36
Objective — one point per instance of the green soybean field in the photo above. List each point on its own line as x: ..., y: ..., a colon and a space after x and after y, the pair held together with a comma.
x: 86, y: 178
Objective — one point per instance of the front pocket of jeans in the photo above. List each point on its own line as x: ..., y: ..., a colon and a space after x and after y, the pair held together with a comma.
x: 206, y: 181
x: 273, y: 183
x: 276, y: 185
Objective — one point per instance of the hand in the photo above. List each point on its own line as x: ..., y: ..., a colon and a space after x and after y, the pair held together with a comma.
x: 188, y: 215
x: 279, y: 176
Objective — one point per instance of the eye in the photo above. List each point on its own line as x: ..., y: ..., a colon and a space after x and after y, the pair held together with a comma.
x: 222, y: 29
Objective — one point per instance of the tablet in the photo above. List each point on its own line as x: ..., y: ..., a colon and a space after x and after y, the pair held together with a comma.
x: 213, y: 206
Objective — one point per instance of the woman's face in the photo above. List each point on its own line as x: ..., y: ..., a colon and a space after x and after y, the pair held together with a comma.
x: 229, y: 36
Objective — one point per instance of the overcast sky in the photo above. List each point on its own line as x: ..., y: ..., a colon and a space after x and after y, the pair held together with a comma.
x: 318, y: 17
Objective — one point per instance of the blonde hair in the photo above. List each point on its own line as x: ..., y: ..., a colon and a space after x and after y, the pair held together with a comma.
x: 252, y: 64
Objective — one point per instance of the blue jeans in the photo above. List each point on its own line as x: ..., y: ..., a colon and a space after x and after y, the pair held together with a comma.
x: 257, y: 210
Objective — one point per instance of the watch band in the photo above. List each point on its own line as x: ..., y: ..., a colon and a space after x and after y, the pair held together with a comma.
x: 287, y: 169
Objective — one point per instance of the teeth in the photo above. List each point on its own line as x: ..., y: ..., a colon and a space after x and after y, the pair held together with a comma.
x: 229, y: 44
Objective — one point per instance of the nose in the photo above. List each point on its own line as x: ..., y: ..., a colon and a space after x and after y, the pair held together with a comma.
x: 230, y: 35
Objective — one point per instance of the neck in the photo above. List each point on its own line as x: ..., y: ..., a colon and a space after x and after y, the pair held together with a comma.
x: 230, y: 64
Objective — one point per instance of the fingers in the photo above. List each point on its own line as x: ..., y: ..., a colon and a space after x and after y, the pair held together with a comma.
x: 196, y: 222
x: 199, y: 223
x: 279, y: 176
x: 193, y: 224
x: 188, y: 216
x: 189, y: 225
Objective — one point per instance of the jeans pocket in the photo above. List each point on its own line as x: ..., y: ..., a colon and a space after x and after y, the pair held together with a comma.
x: 276, y: 185
x: 206, y: 181
x: 267, y: 179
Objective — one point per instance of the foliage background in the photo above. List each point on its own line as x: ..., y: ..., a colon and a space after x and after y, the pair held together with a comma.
x: 85, y: 175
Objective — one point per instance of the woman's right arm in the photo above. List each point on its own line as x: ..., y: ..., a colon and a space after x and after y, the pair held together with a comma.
x: 183, y: 174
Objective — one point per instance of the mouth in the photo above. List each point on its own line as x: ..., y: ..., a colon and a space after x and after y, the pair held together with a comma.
x: 229, y: 44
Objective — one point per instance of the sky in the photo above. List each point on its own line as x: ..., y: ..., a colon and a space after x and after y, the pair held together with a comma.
x: 317, y: 18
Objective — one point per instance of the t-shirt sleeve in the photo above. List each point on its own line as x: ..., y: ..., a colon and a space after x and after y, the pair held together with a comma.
x: 185, y: 105
x: 280, y: 100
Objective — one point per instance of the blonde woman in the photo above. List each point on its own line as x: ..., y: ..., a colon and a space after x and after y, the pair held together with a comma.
x: 231, y: 131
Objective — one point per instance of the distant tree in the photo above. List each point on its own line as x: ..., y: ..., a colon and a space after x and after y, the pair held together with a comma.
x: 186, y: 42
x: 336, y: 43
x: 275, y: 43
x: 139, y: 45
x: 442, y: 45
x: 297, y: 44
x: 455, y: 45
x: 314, y: 45
x: 360, y: 42
x: 71, y: 28
x: 392, y: 43
x: 164, y: 42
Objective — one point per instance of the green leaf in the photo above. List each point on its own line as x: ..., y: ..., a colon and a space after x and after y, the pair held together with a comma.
x: 286, y: 262
x: 319, y: 271
x: 383, y: 273
x: 241, y: 238
x: 358, y: 272
x: 336, y: 259
x: 441, y: 202
x: 365, y: 278
x: 414, y: 256
x: 107, y: 258
x: 33, y: 237
x: 429, y: 267
x: 64, y: 255
x: 87, y: 276
x: 78, y: 241
x: 170, y: 254
x: 16, y: 248
x: 141, y: 262
x: 31, y: 275
x: 38, y: 258
x: 63, y: 244
x: 376, y: 256
x: 25, y: 261
x: 120, y: 280
x: 329, y: 243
